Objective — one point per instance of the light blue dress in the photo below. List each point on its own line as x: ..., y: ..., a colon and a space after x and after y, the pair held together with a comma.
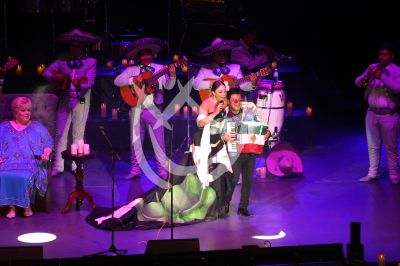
x: 22, y: 168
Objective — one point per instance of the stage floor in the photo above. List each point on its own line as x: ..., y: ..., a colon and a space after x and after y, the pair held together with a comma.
x: 316, y: 208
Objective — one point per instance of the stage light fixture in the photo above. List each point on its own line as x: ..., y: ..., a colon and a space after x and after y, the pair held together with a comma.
x: 38, y: 237
x: 281, y: 234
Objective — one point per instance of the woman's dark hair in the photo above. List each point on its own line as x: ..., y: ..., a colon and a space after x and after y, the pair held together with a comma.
x: 216, y: 84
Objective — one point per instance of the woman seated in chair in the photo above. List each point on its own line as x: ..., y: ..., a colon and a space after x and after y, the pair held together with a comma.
x: 25, y: 147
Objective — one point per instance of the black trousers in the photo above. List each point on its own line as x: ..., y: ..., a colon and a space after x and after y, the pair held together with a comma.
x: 243, y: 164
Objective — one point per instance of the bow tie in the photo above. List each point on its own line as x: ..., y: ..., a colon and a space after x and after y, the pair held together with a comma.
x: 147, y: 69
x: 75, y: 63
x: 224, y: 70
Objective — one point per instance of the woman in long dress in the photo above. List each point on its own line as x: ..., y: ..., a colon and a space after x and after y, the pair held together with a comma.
x: 198, y: 193
x: 25, y: 146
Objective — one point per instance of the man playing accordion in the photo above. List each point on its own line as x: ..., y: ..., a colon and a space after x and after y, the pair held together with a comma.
x: 245, y: 136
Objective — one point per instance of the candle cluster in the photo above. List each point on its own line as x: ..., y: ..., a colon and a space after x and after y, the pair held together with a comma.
x: 177, y: 110
x: 80, y: 148
x: 103, y: 112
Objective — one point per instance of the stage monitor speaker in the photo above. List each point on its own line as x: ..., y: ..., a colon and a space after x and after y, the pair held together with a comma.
x: 21, y: 253
x: 355, y: 233
x: 155, y: 247
x: 355, y: 250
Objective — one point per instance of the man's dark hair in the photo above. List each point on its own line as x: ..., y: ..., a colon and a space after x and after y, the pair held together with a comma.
x: 387, y: 46
x: 233, y: 91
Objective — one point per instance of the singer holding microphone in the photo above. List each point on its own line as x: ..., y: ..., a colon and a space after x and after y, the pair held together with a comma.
x: 210, y: 156
x: 382, y: 87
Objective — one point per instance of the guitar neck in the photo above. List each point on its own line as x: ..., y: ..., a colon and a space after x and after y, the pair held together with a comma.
x: 259, y: 73
x: 157, y: 75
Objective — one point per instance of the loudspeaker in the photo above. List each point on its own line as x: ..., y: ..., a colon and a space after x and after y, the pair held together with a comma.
x: 21, y: 253
x: 155, y: 247
x: 355, y: 233
x: 355, y: 250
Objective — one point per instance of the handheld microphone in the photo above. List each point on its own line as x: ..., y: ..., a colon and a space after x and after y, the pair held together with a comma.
x: 222, y: 113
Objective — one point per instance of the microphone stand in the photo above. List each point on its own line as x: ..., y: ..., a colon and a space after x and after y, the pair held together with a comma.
x: 170, y: 186
x: 114, y: 154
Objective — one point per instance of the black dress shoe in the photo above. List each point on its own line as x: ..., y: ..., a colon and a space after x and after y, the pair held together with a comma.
x: 244, y: 212
x: 227, y: 208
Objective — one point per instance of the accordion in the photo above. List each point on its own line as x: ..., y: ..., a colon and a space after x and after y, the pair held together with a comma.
x: 249, y: 137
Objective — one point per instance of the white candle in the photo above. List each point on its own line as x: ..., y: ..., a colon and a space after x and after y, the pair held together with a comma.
x: 258, y: 169
x: 263, y: 172
x: 381, y: 260
x: 80, y: 146
x: 124, y: 62
x: 177, y: 108
x: 185, y: 111
x: 289, y: 108
x: 194, y: 111
x: 309, y: 111
x: 74, y: 149
x: 109, y: 65
x: 19, y: 70
x: 103, y: 110
x: 86, y: 149
x: 114, y: 114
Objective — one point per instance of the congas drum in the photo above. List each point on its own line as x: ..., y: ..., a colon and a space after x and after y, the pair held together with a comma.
x: 271, y: 105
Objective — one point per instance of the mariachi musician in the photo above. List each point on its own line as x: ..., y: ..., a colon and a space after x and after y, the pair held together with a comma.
x: 144, y: 112
x: 220, y: 68
x: 72, y: 75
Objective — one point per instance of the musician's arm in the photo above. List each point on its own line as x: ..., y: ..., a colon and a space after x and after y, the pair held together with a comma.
x: 91, y: 76
x: 246, y: 86
x: 168, y: 82
x: 204, y: 117
x: 247, y: 63
x: 392, y: 84
x: 359, y: 79
x: 125, y: 78
x: 55, y: 66
x: 199, y: 81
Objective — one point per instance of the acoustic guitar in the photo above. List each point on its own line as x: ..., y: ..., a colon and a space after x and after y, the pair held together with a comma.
x: 230, y: 82
x: 62, y: 81
x: 134, y: 95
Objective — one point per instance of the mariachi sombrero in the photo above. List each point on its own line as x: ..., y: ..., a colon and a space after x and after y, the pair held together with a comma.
x: 283, y: 160
x: 77, y: 36
x: 218, y: 45
x: 153, y: 44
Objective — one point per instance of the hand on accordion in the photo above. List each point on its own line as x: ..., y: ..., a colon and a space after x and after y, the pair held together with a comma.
x: 229, y: 137
x: 267, y: 135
